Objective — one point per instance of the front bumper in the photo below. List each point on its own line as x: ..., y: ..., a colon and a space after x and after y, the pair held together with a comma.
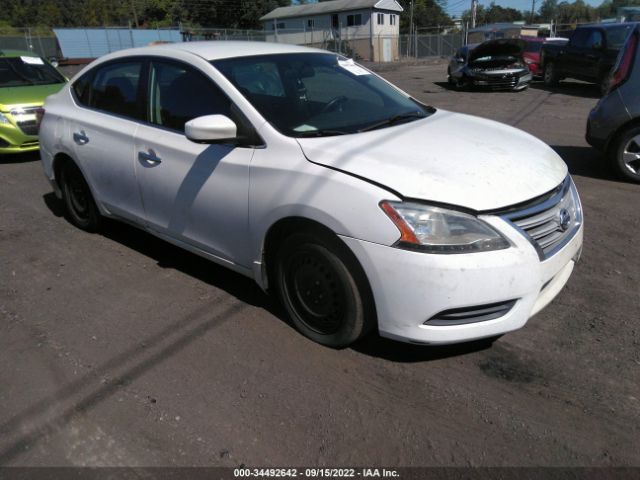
x: 13, y: 139
x: 501, y: 81
x: 410, y: 288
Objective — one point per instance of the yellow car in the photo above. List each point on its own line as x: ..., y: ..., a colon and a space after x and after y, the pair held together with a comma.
x: 25, y: 81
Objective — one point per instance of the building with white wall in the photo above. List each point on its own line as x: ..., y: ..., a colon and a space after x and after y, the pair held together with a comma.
x: 366, y: 29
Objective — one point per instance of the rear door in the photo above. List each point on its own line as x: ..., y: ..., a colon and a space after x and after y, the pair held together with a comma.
x: 591, y: 60
x: 193, y: 193
x: 102, y: 133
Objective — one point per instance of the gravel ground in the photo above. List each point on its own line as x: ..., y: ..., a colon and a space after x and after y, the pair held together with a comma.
x: 119, y: 349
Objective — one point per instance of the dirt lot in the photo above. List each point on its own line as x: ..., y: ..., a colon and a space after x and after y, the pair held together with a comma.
x: 119, y: 349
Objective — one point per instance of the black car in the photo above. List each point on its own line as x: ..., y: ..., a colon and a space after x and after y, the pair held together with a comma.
x: 591, y: 52
x: 495, y: 64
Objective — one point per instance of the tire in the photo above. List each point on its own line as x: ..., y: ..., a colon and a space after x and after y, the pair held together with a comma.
x: 550, y: 75
x: 624, y: 154
x: 603, y: 84
x: 80, y: 208
x: 322, y: 289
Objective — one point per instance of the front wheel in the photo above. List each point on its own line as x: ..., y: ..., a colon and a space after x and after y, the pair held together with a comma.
x: 321, y: 290
x: 551, y: 78
x: 80, y: 207
x: 625, y: 154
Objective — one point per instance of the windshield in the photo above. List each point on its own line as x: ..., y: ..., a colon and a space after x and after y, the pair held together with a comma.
x: 616, y: 36
x: 315, y: 94
x: 25, y: 71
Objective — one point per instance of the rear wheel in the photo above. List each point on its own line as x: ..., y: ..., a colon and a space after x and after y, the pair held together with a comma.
x: 625, y: 154
x: 322, y: 290
x: 551, y: 77
x: 80, y: 207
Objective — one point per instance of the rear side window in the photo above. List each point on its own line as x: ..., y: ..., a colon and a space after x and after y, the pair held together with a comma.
x: 595, y: 40
x: 579, y: 37
x: 112, y: 88
x: 179, y: 93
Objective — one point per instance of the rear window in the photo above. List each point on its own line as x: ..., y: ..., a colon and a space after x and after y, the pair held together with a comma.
x: 533, y: 47
x: 616, y: 36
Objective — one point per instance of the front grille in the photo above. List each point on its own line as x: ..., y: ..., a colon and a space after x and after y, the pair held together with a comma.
x: 478, y: 313
x: 551, y: 223
x: 28, y: 127
x: 497, y: 82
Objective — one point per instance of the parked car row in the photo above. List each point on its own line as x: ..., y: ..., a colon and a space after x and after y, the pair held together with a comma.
x: 604, y: 54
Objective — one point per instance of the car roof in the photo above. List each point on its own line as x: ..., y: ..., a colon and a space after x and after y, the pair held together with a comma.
x: 218, y: 49
x: 606, y: 26
x: 16, y: 53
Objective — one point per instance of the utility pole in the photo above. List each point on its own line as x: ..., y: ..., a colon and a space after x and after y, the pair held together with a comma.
x: 135, y: 14
x: 533, y: 9
x: 410, y: 29
x: 474, y: 11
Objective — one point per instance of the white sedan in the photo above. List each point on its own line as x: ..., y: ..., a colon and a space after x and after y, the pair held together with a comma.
x: 359, y: 206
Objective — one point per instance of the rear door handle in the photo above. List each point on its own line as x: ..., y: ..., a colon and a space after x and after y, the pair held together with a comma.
x: 80, y: 137
x: 149, y: 157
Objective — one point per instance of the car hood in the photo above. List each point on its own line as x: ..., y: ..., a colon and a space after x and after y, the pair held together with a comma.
x: 447, y: 158
x: 29, y: 95
x: 501, y: 46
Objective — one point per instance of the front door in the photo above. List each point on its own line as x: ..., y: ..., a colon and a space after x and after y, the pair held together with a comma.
x: 193, y: 193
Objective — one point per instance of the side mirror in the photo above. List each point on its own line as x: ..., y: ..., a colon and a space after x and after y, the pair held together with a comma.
x: 211, y: 129
x: 460, y: 59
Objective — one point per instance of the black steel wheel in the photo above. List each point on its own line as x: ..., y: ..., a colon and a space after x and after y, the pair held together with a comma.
x: 80, y: 207
x: 550, y: 75
x: 322, y: 290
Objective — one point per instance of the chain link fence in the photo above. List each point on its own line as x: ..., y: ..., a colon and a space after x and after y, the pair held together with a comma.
x: 40, y: 41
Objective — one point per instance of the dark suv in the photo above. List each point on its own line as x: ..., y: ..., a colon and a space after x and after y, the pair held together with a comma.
x: 614, y: 123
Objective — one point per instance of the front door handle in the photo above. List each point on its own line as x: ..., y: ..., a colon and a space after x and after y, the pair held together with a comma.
x: 149, y: 157
x: 80, y: 137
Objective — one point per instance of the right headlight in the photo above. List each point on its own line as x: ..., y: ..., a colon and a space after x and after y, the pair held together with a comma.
x: 440, y: 230
x: 4, y: 119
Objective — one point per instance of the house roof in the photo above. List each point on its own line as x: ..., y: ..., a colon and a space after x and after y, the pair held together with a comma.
x: 330, y: 7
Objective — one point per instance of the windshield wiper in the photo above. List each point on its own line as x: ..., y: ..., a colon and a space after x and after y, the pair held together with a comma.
x: 320, y: 133
x: 393, y: 120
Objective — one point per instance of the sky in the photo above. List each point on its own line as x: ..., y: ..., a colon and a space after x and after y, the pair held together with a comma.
x: 456, y: 7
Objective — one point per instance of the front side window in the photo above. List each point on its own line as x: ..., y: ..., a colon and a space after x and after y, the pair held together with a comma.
x: 26, y: 71
x: 317, y: 94
x: 179, y: 93
x: 112, y: 88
